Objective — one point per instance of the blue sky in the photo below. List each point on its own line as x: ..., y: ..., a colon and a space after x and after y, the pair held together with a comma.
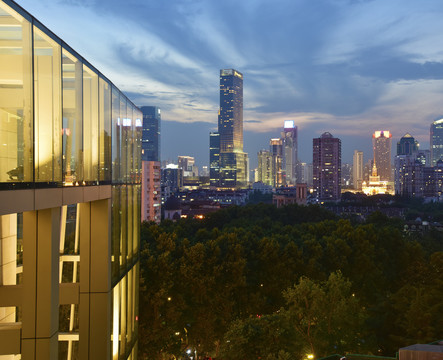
x: 349, y: 67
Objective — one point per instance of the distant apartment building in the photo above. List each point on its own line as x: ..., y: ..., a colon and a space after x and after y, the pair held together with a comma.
x: 290, y: 152
x: 276, y: 150
x: 264, y: 171
x: 151, y: 191
x: 357, y: 169
x: 327, y: 167
x: 70, y: 186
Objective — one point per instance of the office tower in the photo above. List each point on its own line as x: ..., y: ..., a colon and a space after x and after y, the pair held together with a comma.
x: 172, y: 177
x: 69, y: 201
x: 233, y: 161
x: 264, y: 172
x: 214, y: 159
x: 423, y: 157
x: 357, y: 169
x: 290, y: 157
x: 151, y: 133
x: 436, y: 141
x: 407, y: 145
x: 327, y: 167
x: 276, y: 149
x: 151, y: 191
x: 187, y: 163
x: 408, y: 176
x: 305, y: 174
x: 381, y: 143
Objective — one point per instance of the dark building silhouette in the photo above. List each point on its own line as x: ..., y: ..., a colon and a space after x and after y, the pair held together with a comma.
x: 327, y: 167
x: 151, y: 133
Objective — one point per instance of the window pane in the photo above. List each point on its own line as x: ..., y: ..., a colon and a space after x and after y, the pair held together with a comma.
x: 90, y: 123
x: 116, y: 135
x: 105, y: 130
x: 47, y: 101
x: 16, y: 125
x: 72, y: 119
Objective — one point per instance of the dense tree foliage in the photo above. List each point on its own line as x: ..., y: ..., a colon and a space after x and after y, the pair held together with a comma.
x: 287, y: 282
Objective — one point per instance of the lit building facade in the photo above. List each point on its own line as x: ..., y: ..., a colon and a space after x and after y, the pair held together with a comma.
x: 214, y: 159
x: 357, y: 169
x: 290, y: 151
x: 151, y: 133
x: 382, y: 143
x: 233, y: 161
x: 276, y: 150
x: 151, y: 191
x: 264, y: 171
x: 69, y: 201
x: 436, y: 141
x: 327, y: 167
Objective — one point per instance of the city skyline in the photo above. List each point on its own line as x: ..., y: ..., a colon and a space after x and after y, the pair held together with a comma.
x: 337, y: 67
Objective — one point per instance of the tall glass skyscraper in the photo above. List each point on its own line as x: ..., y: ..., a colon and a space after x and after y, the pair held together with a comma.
x: 381, y: 142
x: 214, y: 158
x: 290, y: 161
x: 151, y: 133
x: 436, y: 141
x: 233, y: 161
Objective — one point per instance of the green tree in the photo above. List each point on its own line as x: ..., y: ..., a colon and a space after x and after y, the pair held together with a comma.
x: 326, y: 316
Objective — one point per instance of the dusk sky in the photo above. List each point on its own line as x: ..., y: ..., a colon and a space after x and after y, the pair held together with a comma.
x: 348, y: 67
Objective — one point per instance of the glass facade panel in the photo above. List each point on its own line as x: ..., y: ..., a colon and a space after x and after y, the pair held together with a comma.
x: 72, y: 119
x: 125, y: 126
x: 47, y: 108
x: 116, y: 136
x: 105, y: 130
x: 16, y: 125
x: 90, y: 124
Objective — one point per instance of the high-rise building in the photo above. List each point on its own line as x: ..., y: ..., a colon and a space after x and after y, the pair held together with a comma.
x: 276, y: 150
x: 151, y: 191
x: 407, y: 145
x: 381, y: 142
x: 327, y: 167
x: 305, y: 174
x: 151, y: 133
x: 436, y: 141
x: 70, y: 189
x: 357, y: 169
x: 233, y: 161
x: 264, y: 172
x: 214, y: 159
x: 290, y: 156
x: 187, y: 163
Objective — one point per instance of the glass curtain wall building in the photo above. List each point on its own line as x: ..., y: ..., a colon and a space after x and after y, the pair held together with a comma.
x: 233, y: 161
x: 70, y: 160
x: 436, y: 141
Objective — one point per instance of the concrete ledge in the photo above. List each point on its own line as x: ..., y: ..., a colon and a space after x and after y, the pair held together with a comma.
x: 15, y: 201
x: 69, y: 293
x: 10, y: 338
x: 10, y: 295
x: 72, y: 195
x: 48, y: 198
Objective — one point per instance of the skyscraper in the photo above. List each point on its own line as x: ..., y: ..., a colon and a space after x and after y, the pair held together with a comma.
x: 290, y: 156
x: 436, y: 141
x: 276, y: 150
x: 327, y: 167
x: 381, y: 142
x: 151, y: 133
x: 233, y: 161
x: 214, y: 158
x: 407, y: 145
x: 357, y: 169
x: 264, y: 173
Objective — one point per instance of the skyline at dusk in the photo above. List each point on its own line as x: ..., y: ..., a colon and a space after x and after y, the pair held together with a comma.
x: 345, y: 67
